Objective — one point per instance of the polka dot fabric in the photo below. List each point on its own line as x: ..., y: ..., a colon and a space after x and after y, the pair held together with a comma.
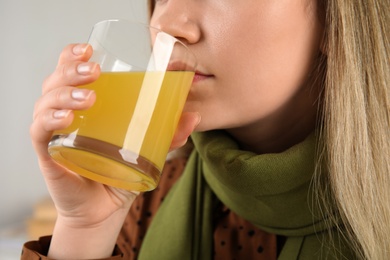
x: 234, y: 238
x: 144, y: 207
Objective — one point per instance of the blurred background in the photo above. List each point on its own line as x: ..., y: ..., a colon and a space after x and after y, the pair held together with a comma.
x: 33, y: 33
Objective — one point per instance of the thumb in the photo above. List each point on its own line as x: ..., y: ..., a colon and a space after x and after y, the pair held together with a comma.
x: 187, y: 123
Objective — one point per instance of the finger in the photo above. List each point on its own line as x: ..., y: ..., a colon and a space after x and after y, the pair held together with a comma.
x: 188, y: 122
x: 43, y: 126
x: 53, y: 111
x: 72, y: 68
x: 65, y: 98
x: 75, y: 52
x: 71, y: 74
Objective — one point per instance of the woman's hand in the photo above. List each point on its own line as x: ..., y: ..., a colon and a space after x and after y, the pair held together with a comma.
x: 89, y: 213
x: 80, y: 201
x: 84, y: 207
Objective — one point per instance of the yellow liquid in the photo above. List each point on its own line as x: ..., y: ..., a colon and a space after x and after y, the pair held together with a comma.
x: 122, y: 141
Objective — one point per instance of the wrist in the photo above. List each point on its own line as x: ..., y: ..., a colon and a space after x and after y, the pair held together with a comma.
x: 72, y: 240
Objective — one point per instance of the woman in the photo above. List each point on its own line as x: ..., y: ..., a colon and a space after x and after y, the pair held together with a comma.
x: 290, y: 113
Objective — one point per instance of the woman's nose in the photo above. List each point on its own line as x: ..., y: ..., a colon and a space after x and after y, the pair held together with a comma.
x: 177, y: 18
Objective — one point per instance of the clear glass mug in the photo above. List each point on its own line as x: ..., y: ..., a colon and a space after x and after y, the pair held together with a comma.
x: 123, y: 140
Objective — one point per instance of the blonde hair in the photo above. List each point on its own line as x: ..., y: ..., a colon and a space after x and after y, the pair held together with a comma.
x: 356, y: 121
x: 355, y: 126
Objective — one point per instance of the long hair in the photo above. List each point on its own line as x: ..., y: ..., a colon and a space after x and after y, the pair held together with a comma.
x: 355, y: 125
x: 356, y: 121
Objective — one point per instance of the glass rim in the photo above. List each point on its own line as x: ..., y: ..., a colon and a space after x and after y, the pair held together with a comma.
x: 146, y: 25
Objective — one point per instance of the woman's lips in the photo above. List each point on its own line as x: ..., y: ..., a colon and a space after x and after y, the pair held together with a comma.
x: 180, y: 66
x: 199, y: 76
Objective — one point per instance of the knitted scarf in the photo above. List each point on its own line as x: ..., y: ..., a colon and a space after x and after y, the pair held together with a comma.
x: 272, y: 191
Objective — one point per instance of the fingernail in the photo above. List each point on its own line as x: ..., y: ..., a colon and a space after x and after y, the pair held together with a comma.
x: 59, y: 114
x: 81, y: 94
x: 86, y: 68
x: 198, y: 119
x: 80, y: 49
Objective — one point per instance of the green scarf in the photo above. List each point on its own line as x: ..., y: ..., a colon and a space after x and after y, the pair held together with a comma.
x: 272, y: 191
